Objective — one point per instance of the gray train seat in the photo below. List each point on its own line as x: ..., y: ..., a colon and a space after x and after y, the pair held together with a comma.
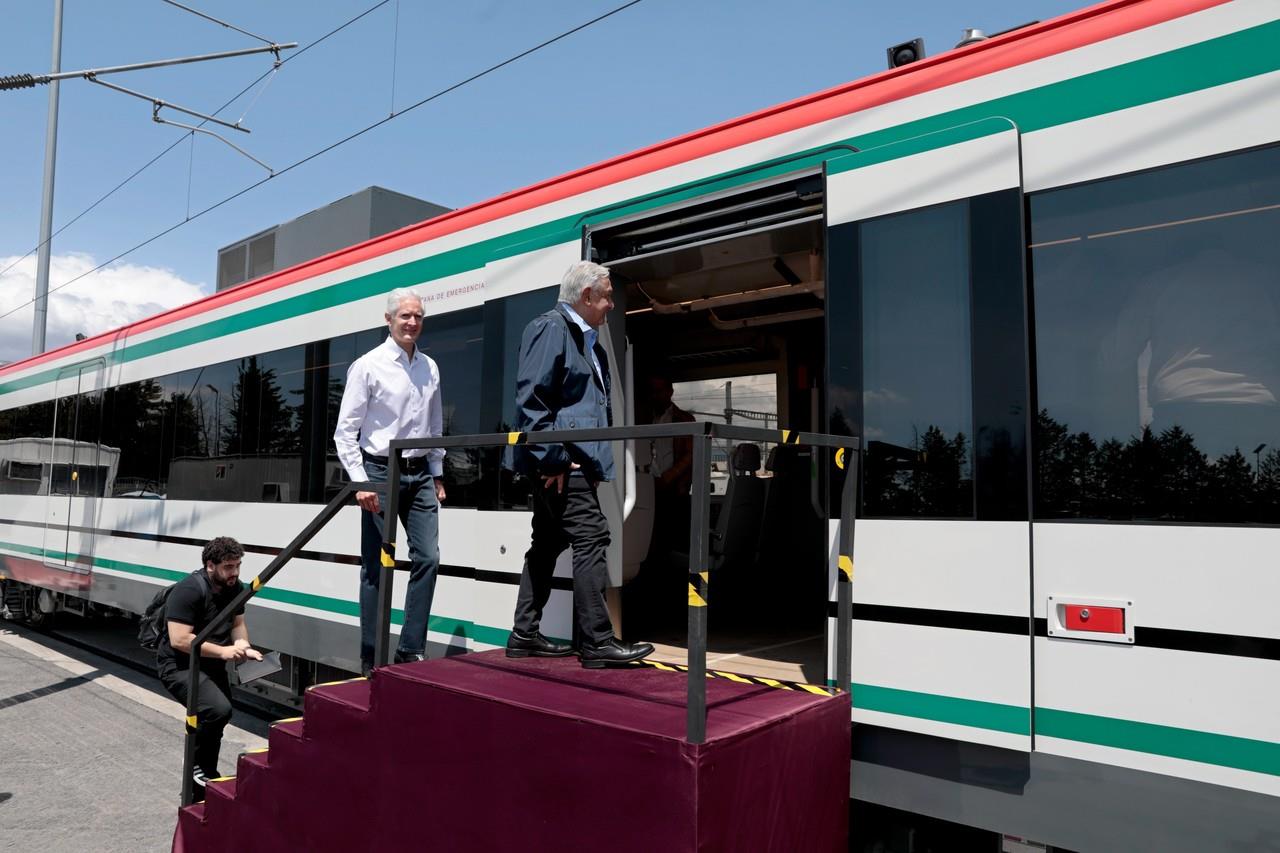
x: 736, y: 537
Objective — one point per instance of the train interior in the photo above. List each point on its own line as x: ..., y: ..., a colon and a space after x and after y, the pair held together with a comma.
x: 723, y: 308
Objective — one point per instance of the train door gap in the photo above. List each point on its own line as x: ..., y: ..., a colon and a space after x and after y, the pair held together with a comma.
x: 723, y: 307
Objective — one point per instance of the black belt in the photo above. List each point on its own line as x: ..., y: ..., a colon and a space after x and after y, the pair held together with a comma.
x: 409, y: 465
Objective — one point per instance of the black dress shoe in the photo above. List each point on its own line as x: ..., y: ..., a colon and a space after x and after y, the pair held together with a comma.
x: 524, y: 646
x: 409, y: 657
x: 612, y: 652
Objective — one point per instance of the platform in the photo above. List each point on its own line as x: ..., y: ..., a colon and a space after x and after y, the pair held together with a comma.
x: 478, y: 752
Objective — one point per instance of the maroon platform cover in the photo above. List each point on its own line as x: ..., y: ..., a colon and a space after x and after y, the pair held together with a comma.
x: 477, y: 753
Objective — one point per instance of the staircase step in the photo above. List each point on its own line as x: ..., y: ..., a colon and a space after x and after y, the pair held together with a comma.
x: 192, y: 834
x: 219, y: 800
x: 285, y: 741
x: 356, y: 692
x: 338, y: 709
x: 252, y: 773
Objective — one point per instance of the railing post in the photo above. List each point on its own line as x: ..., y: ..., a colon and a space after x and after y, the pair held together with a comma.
x: 387, y: 571
x: 191, y: 723
x: 844, y: 573
x: 699, y: 517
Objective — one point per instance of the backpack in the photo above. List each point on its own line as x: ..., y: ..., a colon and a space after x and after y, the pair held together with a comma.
x: 152, y: 623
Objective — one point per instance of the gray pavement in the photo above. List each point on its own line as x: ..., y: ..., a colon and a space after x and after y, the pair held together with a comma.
x: 90, y: 751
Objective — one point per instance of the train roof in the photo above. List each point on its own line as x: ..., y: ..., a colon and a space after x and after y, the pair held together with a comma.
x: 1067, y: 32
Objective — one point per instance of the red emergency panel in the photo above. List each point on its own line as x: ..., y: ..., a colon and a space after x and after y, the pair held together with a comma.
x: 1086, y: 617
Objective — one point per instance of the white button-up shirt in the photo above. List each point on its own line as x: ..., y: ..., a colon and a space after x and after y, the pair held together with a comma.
x: 389, y: 396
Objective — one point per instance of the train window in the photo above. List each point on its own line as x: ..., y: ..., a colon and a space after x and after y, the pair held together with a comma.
x: 917, y: 376
x: 131, y: 425
x: 504, y: 322
x: 456, y: 343
x: 1157, y: 304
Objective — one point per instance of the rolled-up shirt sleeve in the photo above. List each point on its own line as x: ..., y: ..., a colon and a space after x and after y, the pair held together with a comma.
x: 346, y: 438
x: 435, y: 423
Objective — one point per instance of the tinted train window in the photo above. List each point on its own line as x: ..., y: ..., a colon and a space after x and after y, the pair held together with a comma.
x: 917, y: 375
x: 504, y: 322
x: 456, y: 343
x: 1157, y: 319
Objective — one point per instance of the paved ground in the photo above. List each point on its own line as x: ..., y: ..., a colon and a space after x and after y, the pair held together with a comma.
x: 90, y: 751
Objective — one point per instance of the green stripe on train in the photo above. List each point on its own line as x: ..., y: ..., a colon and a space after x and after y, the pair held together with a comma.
x: 1257, y: 756
x: 1014, y: 719
x: 1236, y: 56
x: 441, y: 624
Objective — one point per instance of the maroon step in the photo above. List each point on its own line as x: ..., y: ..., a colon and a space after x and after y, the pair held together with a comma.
x: 191, y: 835
x: 337, y: 709
x: 478, y: 752
x: 253, y: 774
x: 219, y: 801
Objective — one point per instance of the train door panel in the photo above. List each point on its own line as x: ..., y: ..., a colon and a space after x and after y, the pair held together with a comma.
x: 77, y: 477
x: 927, y: 362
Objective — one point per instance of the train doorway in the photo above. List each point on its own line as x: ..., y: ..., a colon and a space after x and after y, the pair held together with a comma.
x: 721, y: 304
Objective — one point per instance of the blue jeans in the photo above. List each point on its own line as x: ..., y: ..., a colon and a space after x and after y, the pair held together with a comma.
x: 419, y: 512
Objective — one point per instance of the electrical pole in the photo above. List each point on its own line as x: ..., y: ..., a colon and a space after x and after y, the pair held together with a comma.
x: 46, y: 203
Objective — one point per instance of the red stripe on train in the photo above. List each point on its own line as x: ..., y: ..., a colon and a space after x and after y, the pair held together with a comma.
x: 1074, y: 30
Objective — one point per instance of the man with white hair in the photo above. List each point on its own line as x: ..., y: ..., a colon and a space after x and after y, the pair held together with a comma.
x: 563, y: 383
x: 393, y: 392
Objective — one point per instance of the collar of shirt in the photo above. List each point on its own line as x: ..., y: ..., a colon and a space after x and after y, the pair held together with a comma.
x: 589, y: 332
x: 395, y: 351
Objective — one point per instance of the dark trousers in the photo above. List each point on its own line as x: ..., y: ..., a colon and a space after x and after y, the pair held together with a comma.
x: 213, y: 711
x: 560, y: 520
x: 419, y: 512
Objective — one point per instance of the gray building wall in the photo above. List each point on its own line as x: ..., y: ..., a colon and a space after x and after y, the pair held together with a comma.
x: 368, y: 213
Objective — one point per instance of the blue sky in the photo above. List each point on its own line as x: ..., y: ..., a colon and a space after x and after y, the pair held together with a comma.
x: 658, y: 69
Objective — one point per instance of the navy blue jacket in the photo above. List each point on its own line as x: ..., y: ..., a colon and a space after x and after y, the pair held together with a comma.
x: 557, y: 388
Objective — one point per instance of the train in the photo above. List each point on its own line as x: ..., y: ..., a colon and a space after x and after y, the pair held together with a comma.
x: 1036, y: 275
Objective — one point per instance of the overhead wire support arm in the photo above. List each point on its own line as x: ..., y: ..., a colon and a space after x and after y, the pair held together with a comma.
x: 191, y: 127
x: 158, y: 104
x: 23, y: 81
x: 218, y: 21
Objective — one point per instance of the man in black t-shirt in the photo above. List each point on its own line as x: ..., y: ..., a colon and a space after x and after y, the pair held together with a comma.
x: 191, y: 605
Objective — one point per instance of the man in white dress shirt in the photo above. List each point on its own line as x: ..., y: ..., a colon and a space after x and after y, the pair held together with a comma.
x: 393, y: 392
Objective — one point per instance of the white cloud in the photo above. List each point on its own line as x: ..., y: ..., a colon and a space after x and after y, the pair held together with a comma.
x: 97, y: 303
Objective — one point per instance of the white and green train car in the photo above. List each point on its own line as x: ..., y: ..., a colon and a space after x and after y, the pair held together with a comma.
x: 1039, y: 275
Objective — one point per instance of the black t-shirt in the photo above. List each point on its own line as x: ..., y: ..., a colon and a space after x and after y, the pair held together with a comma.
x: 191, y: 603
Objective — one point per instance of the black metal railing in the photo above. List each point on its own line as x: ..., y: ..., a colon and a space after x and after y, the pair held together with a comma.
x: 702, y: 434
x: 846, y: 450
x: 247, y: 592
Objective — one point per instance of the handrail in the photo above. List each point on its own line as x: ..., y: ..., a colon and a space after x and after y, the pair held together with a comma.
x: 846, y: 451
x: 247, y: 592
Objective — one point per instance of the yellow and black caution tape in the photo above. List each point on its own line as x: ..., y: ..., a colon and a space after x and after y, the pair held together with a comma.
x: 389, y: 555
x: 341, y: 681
x: 698, y: 589
x: 515, y: 438
x: 845, y: 564
x: 745, y: 679
x: 191, y: 722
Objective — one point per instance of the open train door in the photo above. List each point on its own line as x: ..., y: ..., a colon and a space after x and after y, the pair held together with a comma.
x: 928, y: 363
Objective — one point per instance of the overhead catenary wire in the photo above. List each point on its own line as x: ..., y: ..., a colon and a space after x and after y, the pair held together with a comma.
x: 326, y: 149
x: 275, y: 67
